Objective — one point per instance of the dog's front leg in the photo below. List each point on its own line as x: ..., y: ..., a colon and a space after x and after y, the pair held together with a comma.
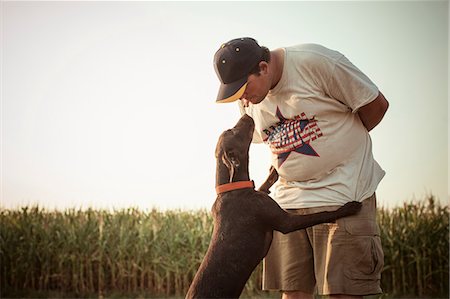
x: 294, y: 222
x: 286, y: 222
x: 271, y: 179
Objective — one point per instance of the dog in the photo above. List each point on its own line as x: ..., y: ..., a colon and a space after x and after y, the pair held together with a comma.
x: 244, y: 219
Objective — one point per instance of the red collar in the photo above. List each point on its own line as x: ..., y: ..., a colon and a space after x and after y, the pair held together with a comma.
x: 234, y: 186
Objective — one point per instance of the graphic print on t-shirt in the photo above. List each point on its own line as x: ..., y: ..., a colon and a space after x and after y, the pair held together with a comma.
x: 292, y: 135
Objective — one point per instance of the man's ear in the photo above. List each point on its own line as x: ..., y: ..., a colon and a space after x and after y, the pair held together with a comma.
x: 263, y: 66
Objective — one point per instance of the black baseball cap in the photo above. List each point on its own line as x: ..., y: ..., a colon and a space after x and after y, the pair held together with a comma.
x: 233, y: 63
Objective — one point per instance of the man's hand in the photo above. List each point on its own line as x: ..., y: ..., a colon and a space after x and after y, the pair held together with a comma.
x: 372, y: 113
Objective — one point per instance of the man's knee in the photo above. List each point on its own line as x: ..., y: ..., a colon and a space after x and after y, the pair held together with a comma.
x: 345, y: 297
x: 297, y: 295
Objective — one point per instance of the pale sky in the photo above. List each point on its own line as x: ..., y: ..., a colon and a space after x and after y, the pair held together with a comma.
x: 112, y: 104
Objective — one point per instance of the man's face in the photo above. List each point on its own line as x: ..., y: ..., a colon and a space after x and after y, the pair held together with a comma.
x: 257, y: 89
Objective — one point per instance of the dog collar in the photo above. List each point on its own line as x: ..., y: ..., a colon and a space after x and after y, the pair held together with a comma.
x: 234, y: 186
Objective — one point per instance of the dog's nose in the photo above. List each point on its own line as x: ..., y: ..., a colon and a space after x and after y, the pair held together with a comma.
x: 245, y: 122
x: 247, y: 118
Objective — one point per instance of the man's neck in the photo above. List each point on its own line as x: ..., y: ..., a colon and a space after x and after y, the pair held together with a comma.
x: 277, y: 61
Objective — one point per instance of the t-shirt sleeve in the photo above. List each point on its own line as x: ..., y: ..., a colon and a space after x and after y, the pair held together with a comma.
x: 350, y: 86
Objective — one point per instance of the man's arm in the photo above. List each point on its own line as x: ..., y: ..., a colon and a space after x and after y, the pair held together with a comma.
x: 372, y: 113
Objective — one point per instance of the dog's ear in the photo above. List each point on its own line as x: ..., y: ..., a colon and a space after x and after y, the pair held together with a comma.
x: 230, y: 159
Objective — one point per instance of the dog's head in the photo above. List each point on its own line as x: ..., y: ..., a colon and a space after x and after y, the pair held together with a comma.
x: 233, y: 145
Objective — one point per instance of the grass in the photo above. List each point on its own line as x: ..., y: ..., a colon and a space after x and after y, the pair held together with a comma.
x: 130, y: 253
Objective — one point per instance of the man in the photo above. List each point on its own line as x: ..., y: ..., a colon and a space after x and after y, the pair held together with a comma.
x: 314, y: 109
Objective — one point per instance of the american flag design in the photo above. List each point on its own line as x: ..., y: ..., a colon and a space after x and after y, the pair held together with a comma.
x: 292, y: 135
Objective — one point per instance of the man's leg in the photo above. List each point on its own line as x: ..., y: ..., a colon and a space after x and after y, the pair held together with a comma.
x: 348, y: 257
x: 289, y: 264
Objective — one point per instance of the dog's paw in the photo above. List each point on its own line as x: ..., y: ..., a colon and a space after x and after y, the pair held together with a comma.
x: 351, y: 208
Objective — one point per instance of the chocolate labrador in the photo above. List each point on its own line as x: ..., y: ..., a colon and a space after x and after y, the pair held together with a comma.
x: 244, y: 219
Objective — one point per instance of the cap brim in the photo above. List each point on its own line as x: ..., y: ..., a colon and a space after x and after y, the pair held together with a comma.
x: 231, y: 92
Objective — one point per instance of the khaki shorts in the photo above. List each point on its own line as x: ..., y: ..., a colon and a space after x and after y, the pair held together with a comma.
x: 344, y: 257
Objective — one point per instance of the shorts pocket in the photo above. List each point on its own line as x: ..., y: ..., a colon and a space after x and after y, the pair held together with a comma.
x: 365, y: 258
x: 361, y: 227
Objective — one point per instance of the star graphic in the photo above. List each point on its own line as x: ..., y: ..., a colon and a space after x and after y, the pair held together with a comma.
x: 304, y: 148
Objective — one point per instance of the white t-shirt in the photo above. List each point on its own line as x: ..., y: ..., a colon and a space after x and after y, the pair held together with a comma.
x: 320, y: 148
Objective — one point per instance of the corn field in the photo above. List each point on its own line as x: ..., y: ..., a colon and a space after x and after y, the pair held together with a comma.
x: 131, y: 253
x: 415, y: 241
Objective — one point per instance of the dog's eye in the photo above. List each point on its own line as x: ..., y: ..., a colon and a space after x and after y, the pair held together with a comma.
x: 231, y: 131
